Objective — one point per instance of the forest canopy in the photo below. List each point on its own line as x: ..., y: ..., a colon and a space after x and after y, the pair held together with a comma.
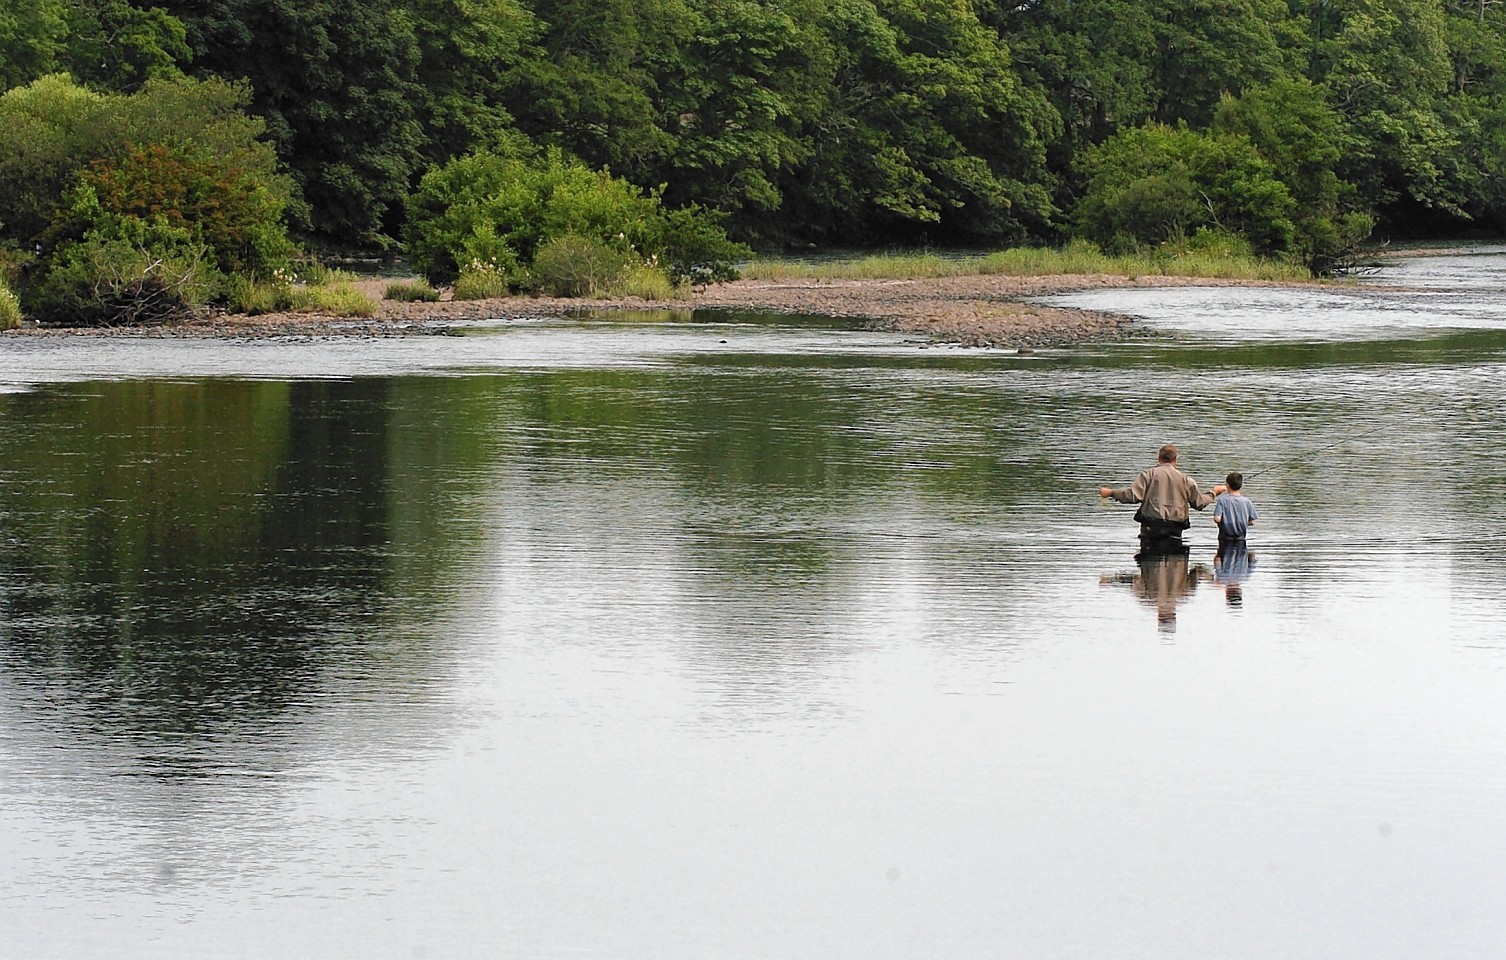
x: 1297, y: 126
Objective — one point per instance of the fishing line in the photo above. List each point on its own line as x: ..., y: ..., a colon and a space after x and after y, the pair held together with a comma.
x: 1309, y: 454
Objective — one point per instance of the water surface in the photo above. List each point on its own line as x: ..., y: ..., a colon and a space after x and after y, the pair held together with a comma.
x: 712, y: 638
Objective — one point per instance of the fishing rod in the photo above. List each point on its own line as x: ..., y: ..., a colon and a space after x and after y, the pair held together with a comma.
x: 1309, y: 454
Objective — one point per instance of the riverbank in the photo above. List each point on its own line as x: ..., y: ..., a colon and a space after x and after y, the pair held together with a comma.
x: 975, y: 310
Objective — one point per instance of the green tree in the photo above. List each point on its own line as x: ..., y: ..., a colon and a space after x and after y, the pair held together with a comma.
x: 1155, y: 183
x: 926, y: 130
x: 1305, y: 139
x: 1207, y: 48
x: 1475, y: 110
x: 594, y: 89
x: 33, y: 34
x: 113, y: 45
x: 737, y: 105
x: 469, y: 53
x: 1107, y: 65
x: 106, y: 44
x: 1091, y: 58
x: 338, y: 86
x: 1386, y: 67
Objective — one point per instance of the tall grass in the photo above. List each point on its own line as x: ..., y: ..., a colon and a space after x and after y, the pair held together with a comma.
x: 10, y: 308
x: 888, y: 266
x: 411, y: 291
x: 340, y: 299
x: 1075, y: 258
x: 336, y: 299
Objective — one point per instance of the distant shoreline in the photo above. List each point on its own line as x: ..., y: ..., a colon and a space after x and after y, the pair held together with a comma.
x: 973, y: 311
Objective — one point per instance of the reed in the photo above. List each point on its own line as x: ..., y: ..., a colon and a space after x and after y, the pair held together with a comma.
x: 1075, y: 258
x: 10, y: 308
x: 411, y: 291
x: 338, y: 299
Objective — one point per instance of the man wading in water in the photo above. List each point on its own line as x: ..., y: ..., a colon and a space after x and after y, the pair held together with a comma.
x: 1164, y: 494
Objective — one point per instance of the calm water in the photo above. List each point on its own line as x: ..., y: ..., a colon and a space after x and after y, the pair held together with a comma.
x: 700, y: 639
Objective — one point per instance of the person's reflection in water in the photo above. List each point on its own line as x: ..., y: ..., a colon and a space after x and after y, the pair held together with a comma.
x: 1163, y: 581
x: 1232, y: 566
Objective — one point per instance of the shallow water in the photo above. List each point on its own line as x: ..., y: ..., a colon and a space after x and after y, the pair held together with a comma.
x: 720, y: 639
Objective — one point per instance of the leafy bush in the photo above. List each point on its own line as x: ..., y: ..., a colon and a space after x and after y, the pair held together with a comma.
x: 647, y: 282
x: 52, y: 130
x: 162, y: 193
x: 501, y: 209
x: 481, y: 281
x: 1333, y: 243
x: 236, y: 214
x: 694, y: 249
x: 411, y: 291
x: 574, y: 266
x: 126, y: 272
x: 10, y: 308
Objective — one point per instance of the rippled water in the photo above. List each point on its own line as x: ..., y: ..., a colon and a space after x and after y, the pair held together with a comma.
x: 713, y: 639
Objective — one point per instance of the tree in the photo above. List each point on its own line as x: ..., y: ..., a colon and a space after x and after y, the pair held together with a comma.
x: 113, y: 45
x: 469, y: 53
x: 338, y: 86
x: 1091, y: 58
x: 1386, y: 68
x: 1155, y: 183
x: 1106, y: 65
x: 1475, y: 109
x: 32, y: 37
x: 926, y: 130
x: 593, y: 88
x: 737, y: 105
x: 1207, y: 48
x: 1292, y: 125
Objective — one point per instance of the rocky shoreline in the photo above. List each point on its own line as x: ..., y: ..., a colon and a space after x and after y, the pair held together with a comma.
x: 974, y: 311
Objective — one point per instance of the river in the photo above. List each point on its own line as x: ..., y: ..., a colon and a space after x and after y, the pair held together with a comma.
x: 702, y: 636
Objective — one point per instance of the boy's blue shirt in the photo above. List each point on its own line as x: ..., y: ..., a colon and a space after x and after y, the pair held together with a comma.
x: 1234, y: 513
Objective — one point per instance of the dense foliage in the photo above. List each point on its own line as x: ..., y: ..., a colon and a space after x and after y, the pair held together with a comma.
x: 134, y: 207
x: 1298, y: 125
x: 495, y: 211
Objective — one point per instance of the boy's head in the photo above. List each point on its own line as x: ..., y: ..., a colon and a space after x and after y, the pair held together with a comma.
x: 1235, y: 480
x: 1167, y: 454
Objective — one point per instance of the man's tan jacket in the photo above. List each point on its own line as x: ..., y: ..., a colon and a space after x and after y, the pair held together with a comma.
x: 1164, y: 494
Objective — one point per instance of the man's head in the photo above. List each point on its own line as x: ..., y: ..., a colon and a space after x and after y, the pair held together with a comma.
x: 1235, y: 480
x: 1167, y: 454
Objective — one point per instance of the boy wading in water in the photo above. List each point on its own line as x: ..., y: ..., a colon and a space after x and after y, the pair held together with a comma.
x: 1164, y: 493
x: 1233, y: 512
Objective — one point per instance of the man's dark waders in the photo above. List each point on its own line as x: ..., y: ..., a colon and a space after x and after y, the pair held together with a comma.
x: 1159, y: 538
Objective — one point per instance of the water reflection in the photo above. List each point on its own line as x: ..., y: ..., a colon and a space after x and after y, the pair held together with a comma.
x: 183, y: 563
x: 1162, y: 582
x: 1232, y: 566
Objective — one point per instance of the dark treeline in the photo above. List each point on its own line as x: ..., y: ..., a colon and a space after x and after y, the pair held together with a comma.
x: 1298, y: 125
